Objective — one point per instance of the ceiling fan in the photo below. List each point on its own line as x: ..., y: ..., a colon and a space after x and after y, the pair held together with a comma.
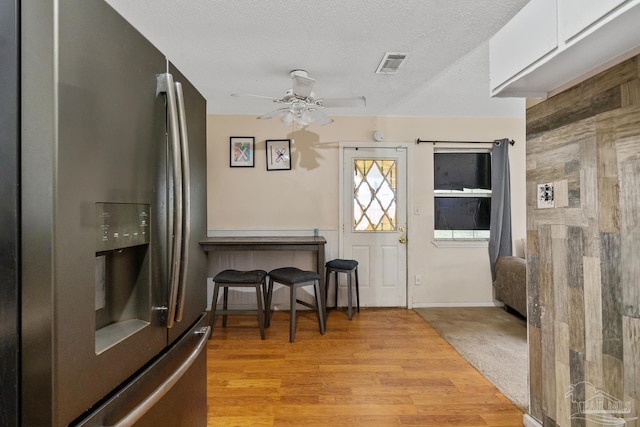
x: 302, y: 105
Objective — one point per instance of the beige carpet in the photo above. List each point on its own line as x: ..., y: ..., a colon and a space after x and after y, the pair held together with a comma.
x: 490, y: 339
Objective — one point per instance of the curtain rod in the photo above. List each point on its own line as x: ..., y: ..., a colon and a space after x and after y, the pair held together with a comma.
x: 495, y: 141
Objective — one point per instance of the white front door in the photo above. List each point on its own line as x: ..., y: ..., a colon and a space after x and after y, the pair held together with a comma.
x: 374, y: 219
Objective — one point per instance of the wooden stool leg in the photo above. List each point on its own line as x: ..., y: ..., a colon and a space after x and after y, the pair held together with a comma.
x: 335, y: 276
x: 260, y: 310
x: 349, y: 296
x: 267, y: 321
x: 319, y: 308
x: 292, y: 313
x: 225, y: 298
x: 357, y: 290
x: 326, y: 291
x: 265, y: 295
x: 214, y: 304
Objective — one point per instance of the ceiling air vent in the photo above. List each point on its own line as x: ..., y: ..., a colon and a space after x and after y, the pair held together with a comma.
x: 391, y: 62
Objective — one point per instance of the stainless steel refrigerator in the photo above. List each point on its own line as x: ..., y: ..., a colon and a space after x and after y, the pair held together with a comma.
x: 103, y: 280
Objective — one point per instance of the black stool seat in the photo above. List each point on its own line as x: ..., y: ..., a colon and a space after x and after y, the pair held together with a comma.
x: 295, y: 278
x: 236, y: 276
x: 342, y: 264
x: 293, y: 275
x: 349, y: 266
x: 239, y: 279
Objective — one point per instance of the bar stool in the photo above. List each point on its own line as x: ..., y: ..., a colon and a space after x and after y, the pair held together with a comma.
x: 295, y: 278
x: 239, y: 279
x: 350, y: 267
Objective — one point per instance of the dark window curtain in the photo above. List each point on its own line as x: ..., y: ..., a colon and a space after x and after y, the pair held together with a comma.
x: 500, y: 227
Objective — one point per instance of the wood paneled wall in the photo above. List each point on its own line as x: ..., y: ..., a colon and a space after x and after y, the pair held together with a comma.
x: 584, y: 253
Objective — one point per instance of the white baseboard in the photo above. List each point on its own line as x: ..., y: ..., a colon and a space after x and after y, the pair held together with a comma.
x: 529, y: 421
x: 457, y: 304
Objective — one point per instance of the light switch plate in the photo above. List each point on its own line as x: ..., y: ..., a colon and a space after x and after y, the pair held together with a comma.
x: 545, y: 196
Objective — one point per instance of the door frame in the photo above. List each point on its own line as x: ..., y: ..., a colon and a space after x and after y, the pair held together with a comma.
x: 408, y: 147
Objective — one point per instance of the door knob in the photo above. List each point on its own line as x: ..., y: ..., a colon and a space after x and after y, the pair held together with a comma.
x: 403, y: 238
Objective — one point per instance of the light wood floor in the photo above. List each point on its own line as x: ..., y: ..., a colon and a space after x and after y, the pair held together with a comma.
x: 386, y: 367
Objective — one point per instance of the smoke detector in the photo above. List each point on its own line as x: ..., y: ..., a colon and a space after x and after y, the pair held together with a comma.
x: 391, y: 62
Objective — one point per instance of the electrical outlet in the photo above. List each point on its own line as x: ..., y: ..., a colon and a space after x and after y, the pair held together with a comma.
x: 418, y: 280
x: 545, y: 196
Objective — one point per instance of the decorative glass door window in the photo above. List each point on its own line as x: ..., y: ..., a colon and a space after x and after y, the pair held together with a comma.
x: 374, y: 195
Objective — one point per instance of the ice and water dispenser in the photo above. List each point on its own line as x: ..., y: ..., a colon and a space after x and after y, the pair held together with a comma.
x: 122, y: 284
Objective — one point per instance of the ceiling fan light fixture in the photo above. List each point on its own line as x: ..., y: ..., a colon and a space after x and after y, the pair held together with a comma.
x: 287, y: 118
x: 302, y: 116
x: 305, y: 117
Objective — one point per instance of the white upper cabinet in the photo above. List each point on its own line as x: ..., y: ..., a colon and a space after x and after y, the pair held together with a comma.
x: 576, y: 16
x: 528, y: 37
x: 551, y: 44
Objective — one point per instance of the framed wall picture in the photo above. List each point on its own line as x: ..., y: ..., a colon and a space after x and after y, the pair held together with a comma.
x: 242, y: 151
x: 278, y: 154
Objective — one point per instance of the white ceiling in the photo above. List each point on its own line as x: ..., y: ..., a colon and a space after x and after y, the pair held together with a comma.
x: 249, y: 46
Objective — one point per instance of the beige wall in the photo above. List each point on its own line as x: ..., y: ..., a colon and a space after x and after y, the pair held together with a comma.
x: 254, y: 200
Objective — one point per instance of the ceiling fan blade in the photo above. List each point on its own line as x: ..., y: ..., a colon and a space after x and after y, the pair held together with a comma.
x: 302, y: 86
x: 255, y: 96
x: 356, y: 101
x: 274, y: 113
x: 320, y: 117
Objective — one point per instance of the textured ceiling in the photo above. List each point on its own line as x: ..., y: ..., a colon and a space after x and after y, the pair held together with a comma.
x: 249, y: 46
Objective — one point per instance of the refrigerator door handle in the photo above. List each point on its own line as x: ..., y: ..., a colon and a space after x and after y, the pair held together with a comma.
x: 155, y: 396
x: 165, y: 84
x: 186, y: 189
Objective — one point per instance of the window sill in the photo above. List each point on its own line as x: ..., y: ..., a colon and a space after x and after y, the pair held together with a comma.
x: 461, y: 243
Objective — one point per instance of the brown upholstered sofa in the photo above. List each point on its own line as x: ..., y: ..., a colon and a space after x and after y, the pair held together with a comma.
x: 511, y: 283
